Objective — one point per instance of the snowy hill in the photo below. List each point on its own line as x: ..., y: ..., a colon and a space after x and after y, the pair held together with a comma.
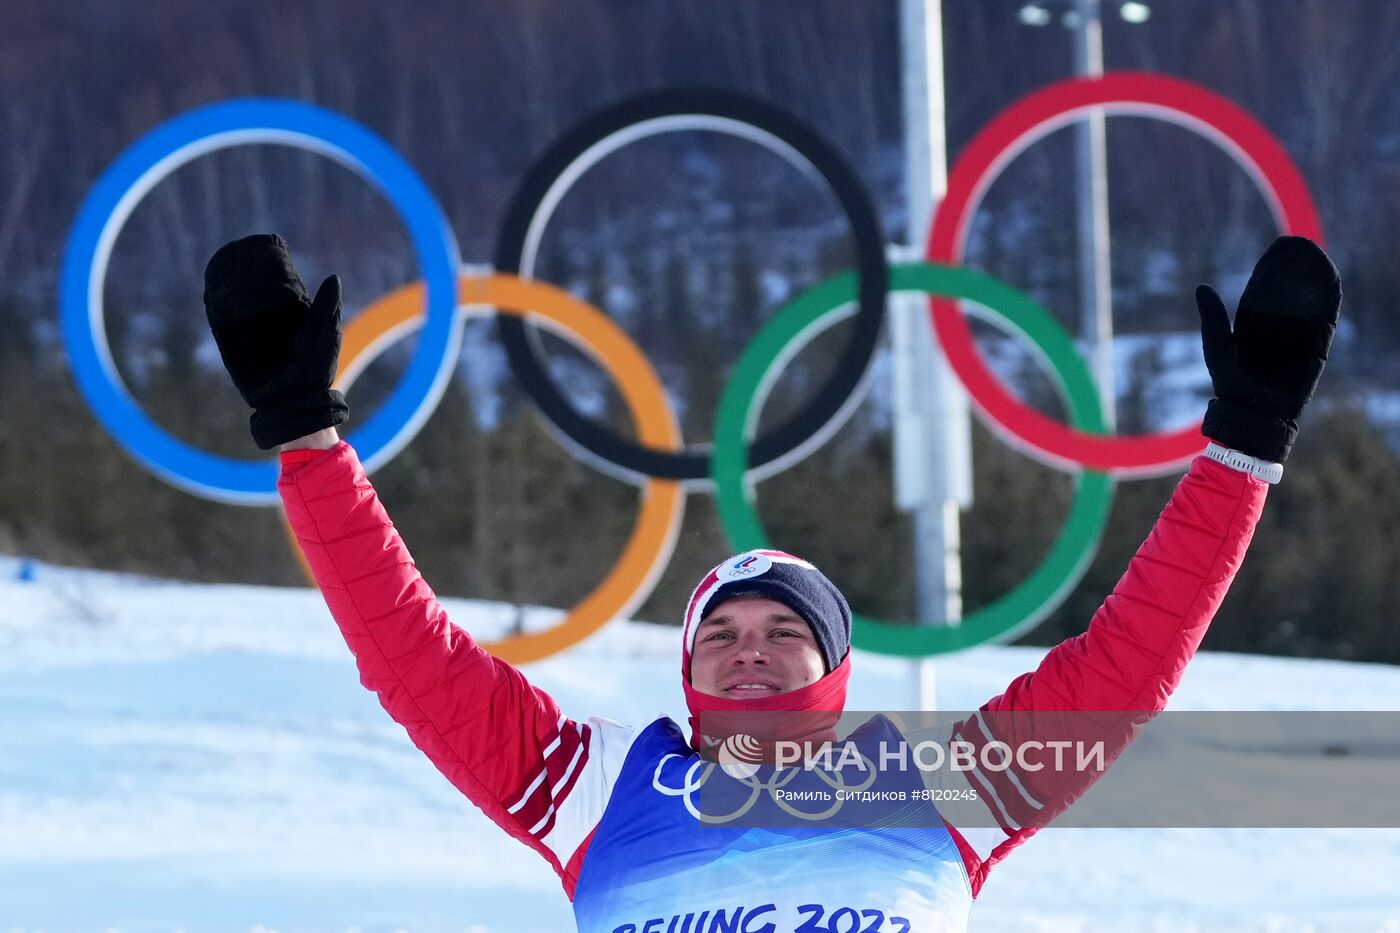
x: 202, y: 758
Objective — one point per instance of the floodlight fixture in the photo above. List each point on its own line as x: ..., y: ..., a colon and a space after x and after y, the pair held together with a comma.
x: 1033, y: 14
x: 1135, y: 13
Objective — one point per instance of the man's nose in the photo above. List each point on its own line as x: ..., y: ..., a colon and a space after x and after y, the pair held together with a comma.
x: 752, y: 651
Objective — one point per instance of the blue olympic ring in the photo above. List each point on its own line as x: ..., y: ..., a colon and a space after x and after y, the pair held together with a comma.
x: 180, y: 140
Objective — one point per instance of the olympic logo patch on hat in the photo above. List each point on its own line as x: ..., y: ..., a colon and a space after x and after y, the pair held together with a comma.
x: 745, y: 567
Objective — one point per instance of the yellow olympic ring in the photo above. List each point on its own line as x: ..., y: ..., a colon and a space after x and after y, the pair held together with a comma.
x: 653, y: 537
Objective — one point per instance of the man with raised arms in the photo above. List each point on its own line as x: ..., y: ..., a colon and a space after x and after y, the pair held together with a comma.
x: 764, y: 631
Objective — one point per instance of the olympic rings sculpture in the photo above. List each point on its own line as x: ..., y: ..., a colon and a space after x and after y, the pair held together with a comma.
x: 657, y: 460
x: 734, y: 114
x: 154, y: 157
x: 1189, y: 105
x: 796, y: 322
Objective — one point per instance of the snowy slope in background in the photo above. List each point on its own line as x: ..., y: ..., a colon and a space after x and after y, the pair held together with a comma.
x: 202, y: 758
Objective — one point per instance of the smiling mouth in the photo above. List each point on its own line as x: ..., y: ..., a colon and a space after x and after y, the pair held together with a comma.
x: 752, y: 688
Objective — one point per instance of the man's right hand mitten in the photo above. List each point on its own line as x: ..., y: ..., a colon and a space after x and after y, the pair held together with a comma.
x: 280, y: 347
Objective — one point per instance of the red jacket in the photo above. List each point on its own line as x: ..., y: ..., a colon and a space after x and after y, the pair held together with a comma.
x: 546, y: 778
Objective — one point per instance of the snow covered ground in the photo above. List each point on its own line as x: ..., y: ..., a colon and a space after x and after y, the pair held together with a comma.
x: 202, y: 758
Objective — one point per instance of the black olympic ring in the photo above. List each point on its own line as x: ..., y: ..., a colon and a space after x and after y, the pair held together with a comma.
x: 554, y: 173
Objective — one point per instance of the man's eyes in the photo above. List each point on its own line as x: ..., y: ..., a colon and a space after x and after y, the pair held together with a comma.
x: 727, y: 636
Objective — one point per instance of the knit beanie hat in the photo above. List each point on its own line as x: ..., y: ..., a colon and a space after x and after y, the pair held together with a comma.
x: 791, y: 581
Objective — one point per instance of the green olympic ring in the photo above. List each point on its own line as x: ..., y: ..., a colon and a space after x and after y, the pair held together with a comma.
x: 821, y: 306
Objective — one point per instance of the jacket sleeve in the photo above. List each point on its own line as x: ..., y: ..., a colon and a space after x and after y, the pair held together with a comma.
x: 539, y: 775
x: 1121, y: 671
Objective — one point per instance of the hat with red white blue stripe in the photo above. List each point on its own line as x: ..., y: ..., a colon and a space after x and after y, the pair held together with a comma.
x: 790, y: 580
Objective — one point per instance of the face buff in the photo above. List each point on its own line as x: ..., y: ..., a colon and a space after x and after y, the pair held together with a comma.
x: 806, y: 715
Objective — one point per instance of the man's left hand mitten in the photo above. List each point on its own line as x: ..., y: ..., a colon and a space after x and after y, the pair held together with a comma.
x: 1265, y: 369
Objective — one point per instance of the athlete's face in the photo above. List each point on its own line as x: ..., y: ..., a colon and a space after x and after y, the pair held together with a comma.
x: 751, y: 647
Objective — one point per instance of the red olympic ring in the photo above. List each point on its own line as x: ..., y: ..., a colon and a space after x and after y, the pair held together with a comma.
x: 1012, y: 131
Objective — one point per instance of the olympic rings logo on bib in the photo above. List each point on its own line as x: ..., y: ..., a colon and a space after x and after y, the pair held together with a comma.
x: 657, y: 460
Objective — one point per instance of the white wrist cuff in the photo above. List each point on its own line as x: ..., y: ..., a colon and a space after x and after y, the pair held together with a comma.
x: 1266, y: 470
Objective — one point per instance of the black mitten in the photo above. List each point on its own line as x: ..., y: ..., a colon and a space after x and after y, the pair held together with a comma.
x: 280, y: 347
x: 1266, y: 369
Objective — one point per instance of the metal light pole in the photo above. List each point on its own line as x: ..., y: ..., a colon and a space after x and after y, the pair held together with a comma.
x: 1091, y: 177
x: 1083, y: 18
x: 933, y: 477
